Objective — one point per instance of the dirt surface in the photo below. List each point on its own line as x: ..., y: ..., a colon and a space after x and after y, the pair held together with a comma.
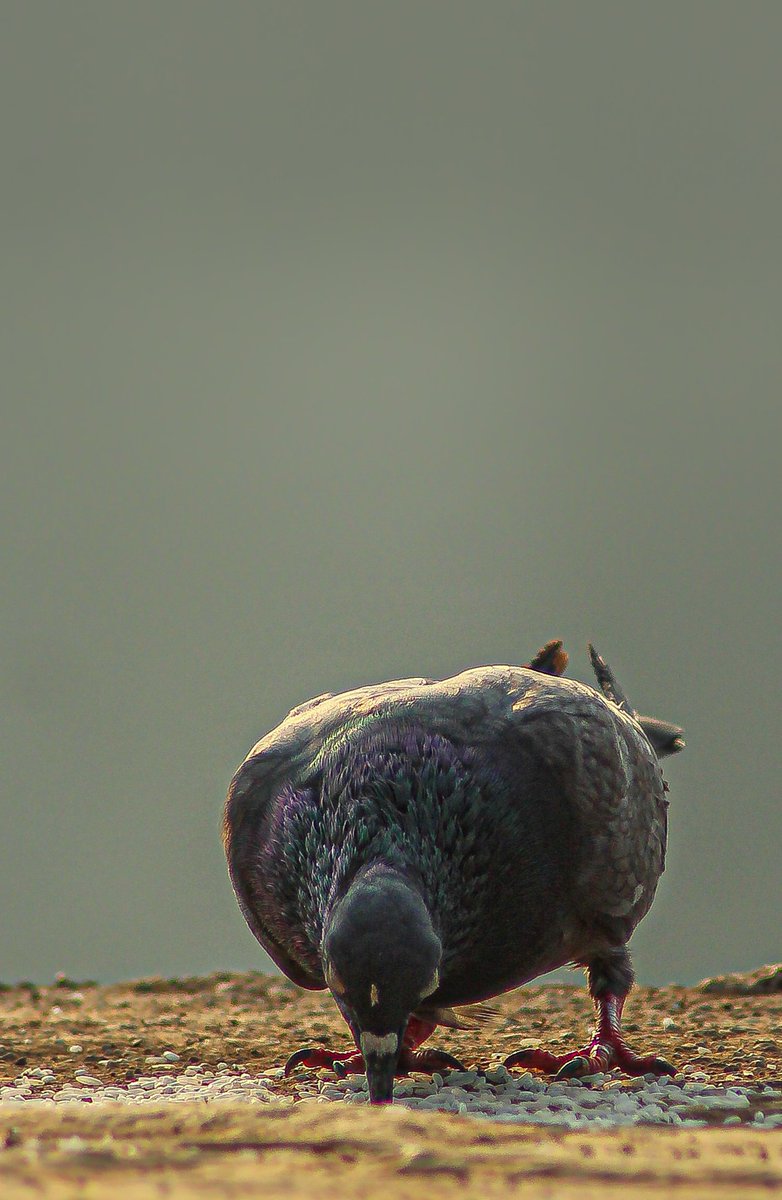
x: 253, y: 1022
x: 326, y: 1151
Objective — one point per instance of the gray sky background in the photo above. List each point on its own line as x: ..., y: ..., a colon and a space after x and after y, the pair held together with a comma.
x: 344, y: 341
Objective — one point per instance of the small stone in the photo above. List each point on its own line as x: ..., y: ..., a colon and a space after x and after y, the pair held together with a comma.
x: 462, y: 1078
x: 669, y: 1025
x: 170, y: 1056
x: 72, y: 1145
x: 497, y: 1075
x: 75, y: 1048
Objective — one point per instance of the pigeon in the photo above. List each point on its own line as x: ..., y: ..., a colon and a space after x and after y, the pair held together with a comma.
x: 421, y: 846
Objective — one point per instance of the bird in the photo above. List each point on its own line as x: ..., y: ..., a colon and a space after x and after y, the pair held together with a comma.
x: 421, y: 846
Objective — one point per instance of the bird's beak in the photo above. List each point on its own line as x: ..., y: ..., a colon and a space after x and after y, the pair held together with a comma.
x: 381, y: 1055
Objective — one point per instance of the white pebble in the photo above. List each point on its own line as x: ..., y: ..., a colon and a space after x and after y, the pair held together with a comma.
x: 462, y: 1077
x: 499, y: 1095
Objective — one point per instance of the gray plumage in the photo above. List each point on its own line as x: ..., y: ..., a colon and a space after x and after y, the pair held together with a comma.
x: 526, y: 810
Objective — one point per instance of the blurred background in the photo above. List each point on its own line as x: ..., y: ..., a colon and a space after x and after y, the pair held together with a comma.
x: 351, y: 340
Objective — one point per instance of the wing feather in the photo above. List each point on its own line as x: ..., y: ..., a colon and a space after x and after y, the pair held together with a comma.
x: 246, y: 820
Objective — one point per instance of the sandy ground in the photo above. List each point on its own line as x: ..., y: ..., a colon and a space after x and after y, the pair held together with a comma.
x: 253, y: 1022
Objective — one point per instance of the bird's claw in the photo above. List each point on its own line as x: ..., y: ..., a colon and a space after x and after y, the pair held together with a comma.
x: 427, y: 1062
x: 440, y: 1061
x: 661, y: 1066
x: 353, y: 1065
x: 318, y: 1057
x: 575, y: 1068
x: 537, y: 1060
x: 453, y: 1064
x: 296, y: 1060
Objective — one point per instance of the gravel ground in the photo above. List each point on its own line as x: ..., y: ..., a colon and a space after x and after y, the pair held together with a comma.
x: 222, y: 1039
x: 600, y: 1101
x: 174, y: 1088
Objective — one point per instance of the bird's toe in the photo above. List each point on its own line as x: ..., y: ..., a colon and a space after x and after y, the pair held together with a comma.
x: 427, y: 1062
x: 448, y: 1062
x: 519, y: 1058
x: 299, y: 1059
x: 661, y: 1066
x: 315, y: 1057
x: 575, y: 1068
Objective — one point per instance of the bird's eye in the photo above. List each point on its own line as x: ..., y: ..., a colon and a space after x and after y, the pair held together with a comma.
x: 431, y: 986
x: 334, y: 981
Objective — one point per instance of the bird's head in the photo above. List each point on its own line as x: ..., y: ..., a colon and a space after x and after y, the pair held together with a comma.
x: 381, y: 957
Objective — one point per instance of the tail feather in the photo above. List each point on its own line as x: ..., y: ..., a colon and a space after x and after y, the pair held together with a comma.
x: 665, y: 737
x: 468, y: 1016
x: 551, y: 659
x: 609, y: 685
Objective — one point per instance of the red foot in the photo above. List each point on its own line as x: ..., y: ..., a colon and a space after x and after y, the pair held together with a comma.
x: 352, y: 1063
x: 607, y: 1049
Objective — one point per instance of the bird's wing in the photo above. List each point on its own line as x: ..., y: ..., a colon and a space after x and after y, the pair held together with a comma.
x: 248, y: 809
x: 611, y: 780
x: 288, y: 756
